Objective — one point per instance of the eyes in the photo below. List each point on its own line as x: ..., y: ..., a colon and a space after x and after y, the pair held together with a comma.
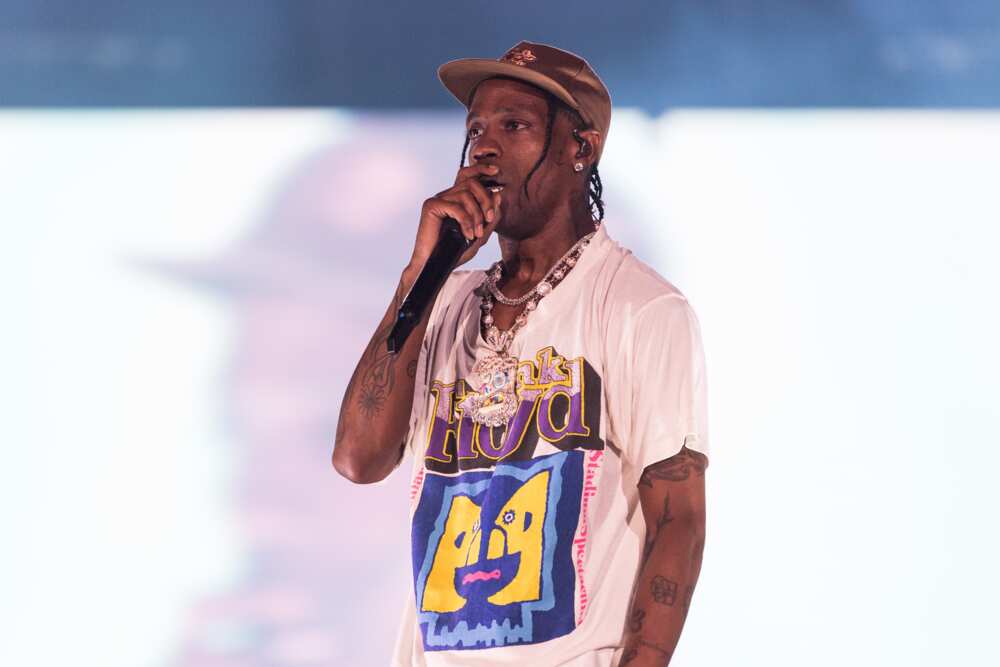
x: 510, y: 125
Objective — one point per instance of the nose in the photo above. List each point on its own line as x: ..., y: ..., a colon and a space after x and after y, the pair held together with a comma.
x: 484, y: 542
x: 486, y: 148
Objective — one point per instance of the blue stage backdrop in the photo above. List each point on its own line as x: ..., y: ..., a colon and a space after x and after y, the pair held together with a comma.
x: 654, y: 55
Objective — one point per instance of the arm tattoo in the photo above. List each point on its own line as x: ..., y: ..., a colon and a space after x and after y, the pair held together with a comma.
x: 380, y: 376
x: 635, y: 622
x: 664, y: 590
x: 376, y: 385
x: 675, y: 469
x: 661, y: 521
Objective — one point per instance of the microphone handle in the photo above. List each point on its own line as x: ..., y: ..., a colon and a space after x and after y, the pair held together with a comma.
x: 450, y: 246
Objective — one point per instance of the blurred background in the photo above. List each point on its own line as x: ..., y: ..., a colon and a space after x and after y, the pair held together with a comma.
x: 205, y: 210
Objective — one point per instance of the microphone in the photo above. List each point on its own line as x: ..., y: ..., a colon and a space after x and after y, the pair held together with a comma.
x: 450, y: 246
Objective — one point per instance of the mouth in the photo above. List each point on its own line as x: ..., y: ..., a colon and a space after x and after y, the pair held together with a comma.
x: 491, y: 185
x: 481, y: 576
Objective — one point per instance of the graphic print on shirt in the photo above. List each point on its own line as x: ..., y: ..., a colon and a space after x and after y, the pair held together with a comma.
x: 559, y: 401
x: 492, y: 555
x: 493, y: 541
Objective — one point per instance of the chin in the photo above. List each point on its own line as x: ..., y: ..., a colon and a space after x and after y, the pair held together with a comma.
x: 516, y: 229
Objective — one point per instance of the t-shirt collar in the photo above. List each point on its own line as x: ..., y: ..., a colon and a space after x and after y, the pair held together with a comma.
x: 590, y: 257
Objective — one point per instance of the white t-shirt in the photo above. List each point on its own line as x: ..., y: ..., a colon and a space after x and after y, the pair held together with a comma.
x: 526, y: 538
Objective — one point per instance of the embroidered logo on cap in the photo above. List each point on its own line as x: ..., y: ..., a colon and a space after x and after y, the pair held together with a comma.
x: 522, y: 57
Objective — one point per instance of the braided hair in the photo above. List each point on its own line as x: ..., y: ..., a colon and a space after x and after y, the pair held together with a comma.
x: 594, y: 187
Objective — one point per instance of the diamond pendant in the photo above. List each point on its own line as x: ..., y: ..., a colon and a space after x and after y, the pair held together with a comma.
x: 493, y: 400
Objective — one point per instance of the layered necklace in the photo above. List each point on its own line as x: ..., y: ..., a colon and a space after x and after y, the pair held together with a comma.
x: 494, y: 399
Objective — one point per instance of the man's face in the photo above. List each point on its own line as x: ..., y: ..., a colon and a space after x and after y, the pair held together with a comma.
x: 506, y: 125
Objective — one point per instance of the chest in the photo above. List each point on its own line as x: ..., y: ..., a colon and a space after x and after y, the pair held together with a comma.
x: 503, y: 316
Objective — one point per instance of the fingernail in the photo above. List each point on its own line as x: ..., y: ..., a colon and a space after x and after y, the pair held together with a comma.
x: 489, y: 215
x: 492, y: 167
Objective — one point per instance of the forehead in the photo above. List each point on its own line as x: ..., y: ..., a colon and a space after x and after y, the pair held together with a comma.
x: 500, y: 95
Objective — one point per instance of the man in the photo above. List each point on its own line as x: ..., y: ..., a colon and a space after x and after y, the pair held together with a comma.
x: 544, y: 401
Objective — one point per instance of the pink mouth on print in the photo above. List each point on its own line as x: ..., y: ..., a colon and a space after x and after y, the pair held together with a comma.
x: 481, y: 575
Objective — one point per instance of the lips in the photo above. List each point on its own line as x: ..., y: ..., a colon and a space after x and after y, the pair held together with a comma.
x: 491, y: 185
x: 480, y: 576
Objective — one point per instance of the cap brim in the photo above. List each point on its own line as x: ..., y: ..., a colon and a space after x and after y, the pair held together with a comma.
x: 460, y: 77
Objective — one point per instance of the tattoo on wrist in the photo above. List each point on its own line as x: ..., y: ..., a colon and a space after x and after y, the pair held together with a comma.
x: 675, y: 469
x: 664, y: 590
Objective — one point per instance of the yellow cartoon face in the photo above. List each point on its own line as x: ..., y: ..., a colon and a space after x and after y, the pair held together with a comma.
x: 492, y: 552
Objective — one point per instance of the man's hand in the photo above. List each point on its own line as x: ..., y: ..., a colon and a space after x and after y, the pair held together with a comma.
x: 476, y: 209
x: 672, y: 496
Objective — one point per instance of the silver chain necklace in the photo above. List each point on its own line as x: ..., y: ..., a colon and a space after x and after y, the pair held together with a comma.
x: 545, y: 285
x: 493, y: 399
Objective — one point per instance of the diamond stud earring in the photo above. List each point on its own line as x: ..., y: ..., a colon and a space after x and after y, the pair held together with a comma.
x: 578, y: 166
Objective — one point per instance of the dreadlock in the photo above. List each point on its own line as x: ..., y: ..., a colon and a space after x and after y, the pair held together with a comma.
x: 594, y: 187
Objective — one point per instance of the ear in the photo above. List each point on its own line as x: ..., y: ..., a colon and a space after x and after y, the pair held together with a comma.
x: 590, y: 148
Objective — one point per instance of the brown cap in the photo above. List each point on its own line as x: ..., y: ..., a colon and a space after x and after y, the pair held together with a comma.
x: 564, y: 74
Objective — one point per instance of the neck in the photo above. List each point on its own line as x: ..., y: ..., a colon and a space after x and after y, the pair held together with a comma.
x: 526, y: 261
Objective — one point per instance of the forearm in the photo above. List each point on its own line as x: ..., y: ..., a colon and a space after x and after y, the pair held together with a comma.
x: 375, y: 411
x: 664, y: 588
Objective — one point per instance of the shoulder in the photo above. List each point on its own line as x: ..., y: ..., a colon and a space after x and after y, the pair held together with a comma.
x: 634, y: 289
x: 455, y: 294
x: 461, y: 283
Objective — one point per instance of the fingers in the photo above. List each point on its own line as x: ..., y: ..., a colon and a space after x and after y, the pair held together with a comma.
x: 476, y: 210
x: 474, y: 171
x: 479, y: 204
x: 494, y: 203
x: 486, y: 232
x: 490, y: 225
x: 468, y: 179
x: 463, y: 208
x: 474, y: 216
x: 483, y: 197
x: 437, y: 209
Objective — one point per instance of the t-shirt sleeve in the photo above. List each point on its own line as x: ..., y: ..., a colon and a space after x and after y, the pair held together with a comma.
x: 660, y: 379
